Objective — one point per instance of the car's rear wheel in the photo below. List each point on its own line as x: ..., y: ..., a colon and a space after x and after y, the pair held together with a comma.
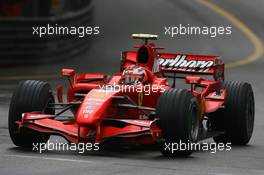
x: 236, y: 119
x: 29, y: 96
x: 178, y: 117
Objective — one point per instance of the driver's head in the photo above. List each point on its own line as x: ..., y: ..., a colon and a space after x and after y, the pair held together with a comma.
x: 134, y: 74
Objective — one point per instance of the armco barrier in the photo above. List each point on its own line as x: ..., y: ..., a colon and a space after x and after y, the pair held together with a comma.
x: 18, y: 45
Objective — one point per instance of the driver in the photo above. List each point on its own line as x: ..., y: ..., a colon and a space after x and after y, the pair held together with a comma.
x: 134, y: 74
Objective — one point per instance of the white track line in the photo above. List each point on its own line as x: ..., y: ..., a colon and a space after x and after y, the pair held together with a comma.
x: 48, y: 158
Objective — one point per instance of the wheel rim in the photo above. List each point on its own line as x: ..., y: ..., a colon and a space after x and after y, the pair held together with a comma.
x: 194, y: 124
x: 48, y: 107
x: 250, y: 116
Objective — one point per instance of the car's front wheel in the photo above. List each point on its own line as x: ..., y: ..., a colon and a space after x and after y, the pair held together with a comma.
x: 178, y: 117
x: 29, y: 96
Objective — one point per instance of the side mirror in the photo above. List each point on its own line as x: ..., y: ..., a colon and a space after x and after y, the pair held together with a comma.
x: 68, y: 72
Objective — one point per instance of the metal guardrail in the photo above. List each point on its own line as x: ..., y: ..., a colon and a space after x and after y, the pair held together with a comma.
x: 18, y: 45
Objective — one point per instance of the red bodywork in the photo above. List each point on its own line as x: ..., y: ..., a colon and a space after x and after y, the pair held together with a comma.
x: 100, y: 114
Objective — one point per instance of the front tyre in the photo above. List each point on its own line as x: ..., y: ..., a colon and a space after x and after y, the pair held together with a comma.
x: 29, y: 96
x: 178, y: 115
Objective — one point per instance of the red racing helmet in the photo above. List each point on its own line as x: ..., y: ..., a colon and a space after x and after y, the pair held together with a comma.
x: 134, y: 74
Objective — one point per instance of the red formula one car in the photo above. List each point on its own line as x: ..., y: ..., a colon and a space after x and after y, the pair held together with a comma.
x: 141, y: 104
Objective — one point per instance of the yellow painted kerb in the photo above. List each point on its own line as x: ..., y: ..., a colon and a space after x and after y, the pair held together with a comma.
x: 258, y: 44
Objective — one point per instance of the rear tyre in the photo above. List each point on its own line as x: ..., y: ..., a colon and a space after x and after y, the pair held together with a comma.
x: 178, y: 114
x: 237, y: 118
x: 29, y: 96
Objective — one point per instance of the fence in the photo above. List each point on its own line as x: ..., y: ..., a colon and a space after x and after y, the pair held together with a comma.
x: 19, y: 46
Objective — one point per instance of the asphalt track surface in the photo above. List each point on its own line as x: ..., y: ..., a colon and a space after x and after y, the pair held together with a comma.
x: 118, y: 19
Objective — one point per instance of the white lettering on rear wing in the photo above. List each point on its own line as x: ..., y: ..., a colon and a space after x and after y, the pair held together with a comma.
x: 180, y: 61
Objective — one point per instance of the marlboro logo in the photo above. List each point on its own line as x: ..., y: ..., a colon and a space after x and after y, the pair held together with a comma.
x: 181, y: 62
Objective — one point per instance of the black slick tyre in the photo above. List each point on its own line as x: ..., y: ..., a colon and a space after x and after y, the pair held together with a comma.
x: 178, y: 117
x: 28, y: 96
x: 236, y: 119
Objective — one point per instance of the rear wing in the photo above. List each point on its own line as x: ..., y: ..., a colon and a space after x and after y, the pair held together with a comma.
x: 191, y: 64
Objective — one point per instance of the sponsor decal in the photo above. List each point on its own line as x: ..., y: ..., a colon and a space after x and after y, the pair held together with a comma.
x: 181, y: 63
x: 94, y: 101
x: 86, y: 115
x: 88, y: 110
x: 98, y: 95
